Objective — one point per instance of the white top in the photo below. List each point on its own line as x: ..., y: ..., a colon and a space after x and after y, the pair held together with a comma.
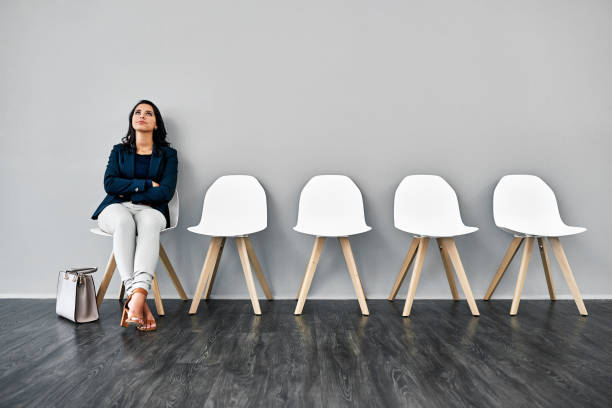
x: 426, y: 205
x: 525, y: 205
x: 331, y: 206
x: 233, y: 206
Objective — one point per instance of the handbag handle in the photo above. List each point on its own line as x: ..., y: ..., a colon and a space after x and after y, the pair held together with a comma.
x: 81, y: 271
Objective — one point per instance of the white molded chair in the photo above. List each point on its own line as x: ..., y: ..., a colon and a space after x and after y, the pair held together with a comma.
x: 526, y: 207
x: 331, y: 206
x: 234, y: 206
x: 427, y: 207
x: 173, y: 207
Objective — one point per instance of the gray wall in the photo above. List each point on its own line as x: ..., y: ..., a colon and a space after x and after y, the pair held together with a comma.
x: 469, y: 90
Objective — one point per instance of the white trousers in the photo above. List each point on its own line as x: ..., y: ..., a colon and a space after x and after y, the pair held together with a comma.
x: 135, y: 229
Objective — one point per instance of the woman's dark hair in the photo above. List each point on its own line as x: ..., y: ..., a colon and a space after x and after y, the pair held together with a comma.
x: 159, y: 134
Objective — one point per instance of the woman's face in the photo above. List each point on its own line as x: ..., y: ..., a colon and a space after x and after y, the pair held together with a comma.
x: 144, y: 118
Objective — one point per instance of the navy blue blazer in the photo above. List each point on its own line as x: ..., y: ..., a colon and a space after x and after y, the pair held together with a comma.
x: 120, y: 184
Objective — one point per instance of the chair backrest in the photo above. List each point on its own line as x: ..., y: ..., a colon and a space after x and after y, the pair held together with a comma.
x: 331, y: 205
x: 234, y: 205
x: 522, y: 202
x: 173, y: 209
x: 426, y: 203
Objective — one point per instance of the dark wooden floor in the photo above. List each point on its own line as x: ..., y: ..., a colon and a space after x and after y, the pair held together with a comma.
x: 331, y: 356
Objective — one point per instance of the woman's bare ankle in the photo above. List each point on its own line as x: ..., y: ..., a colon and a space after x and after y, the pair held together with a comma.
x: 136, y: 304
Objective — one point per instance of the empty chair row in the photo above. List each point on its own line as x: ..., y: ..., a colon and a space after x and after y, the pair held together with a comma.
x: 331, y: 206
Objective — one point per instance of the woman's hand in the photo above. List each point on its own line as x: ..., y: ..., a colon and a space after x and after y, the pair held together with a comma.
x: 155, y: 184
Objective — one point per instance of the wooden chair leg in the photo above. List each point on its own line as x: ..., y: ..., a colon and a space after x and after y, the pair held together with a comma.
x: 512, y: 250
x: 159, y: 306
x: 108, y: 275
x: 361, y: 286
x: 555, y: 243
x: 357, y: 275
x: 520, y: 280
x: 257, y: 267
x: 352, y: 269
x: 451, y: 249
x: 301, y: 284
x: 211, y: 255
x: 448, y: 269
x: 211, y: 278
x: 405, y: 266
x: 546, y: 264
x: 416, y: 273
x: 310, y: 270
x: 248, y: 275
x: 121, y: 292
x: 171, y: 272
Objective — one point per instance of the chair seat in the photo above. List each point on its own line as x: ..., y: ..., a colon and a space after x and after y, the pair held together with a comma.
x: 331, y: 205
x: 544, y: 231
x: 332, y: 232
x: 223, y: 232
x: 439, y: 233
x: 98, y: 231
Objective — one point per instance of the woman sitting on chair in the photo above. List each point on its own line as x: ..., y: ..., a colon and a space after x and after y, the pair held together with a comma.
x: 140, y: 180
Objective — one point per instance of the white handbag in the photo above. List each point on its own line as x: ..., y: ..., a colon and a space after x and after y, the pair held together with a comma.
x: 76, y: 295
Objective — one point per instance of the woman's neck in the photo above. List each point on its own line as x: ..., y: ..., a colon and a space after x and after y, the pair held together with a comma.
x: 144, y: 142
